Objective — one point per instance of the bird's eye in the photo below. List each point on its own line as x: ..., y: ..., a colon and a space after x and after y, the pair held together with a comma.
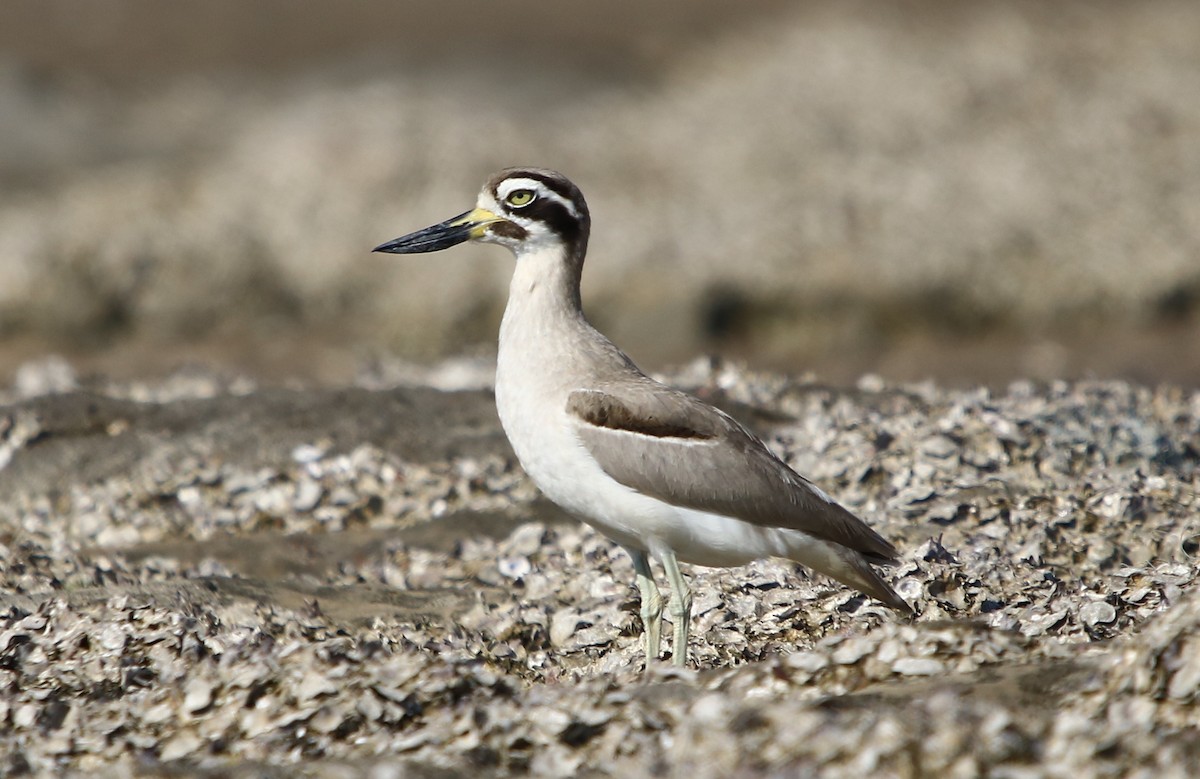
x: 520, y: 197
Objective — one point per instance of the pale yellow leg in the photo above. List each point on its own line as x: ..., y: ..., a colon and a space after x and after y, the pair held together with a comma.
x: 652, y: 604
x: 679, y: 606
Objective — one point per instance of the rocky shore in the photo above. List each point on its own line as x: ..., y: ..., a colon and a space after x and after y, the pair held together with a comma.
x: 203, y: 577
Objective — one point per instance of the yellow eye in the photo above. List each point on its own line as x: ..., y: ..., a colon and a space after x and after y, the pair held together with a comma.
x: 520, y: 197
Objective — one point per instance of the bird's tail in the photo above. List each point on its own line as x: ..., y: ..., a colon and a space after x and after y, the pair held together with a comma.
x: 847, y: 566
x: 866, y: 579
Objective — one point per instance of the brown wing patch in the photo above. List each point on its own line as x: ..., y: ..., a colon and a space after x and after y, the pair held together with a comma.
x: 603, y: 410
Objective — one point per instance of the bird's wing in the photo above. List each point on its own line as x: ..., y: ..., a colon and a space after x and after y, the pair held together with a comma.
x: 674, y: 447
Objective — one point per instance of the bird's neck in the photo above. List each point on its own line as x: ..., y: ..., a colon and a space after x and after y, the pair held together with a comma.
x: 543, y: 331
x: 545, y: 286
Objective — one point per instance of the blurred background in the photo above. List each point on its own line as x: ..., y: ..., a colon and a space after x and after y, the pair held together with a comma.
x: 970, y: 192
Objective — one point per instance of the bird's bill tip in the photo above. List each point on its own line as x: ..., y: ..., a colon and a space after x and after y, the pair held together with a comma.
x: 452, y: 232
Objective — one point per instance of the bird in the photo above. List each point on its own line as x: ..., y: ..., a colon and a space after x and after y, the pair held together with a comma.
x: 660, y: 472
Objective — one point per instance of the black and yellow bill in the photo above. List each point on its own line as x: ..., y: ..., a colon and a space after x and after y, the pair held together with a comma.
x: 452, y: 232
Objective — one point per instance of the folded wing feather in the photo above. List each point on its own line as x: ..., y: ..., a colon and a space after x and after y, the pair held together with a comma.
x: 676, y: 448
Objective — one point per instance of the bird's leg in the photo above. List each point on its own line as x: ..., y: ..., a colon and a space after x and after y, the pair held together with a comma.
x: 680, y: 607
x: 651, y: 604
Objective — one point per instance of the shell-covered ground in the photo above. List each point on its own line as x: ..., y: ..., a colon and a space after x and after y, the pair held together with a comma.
x: 204, y: 577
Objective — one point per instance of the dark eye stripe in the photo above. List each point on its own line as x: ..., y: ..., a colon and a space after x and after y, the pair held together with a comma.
x: 555, y: 216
